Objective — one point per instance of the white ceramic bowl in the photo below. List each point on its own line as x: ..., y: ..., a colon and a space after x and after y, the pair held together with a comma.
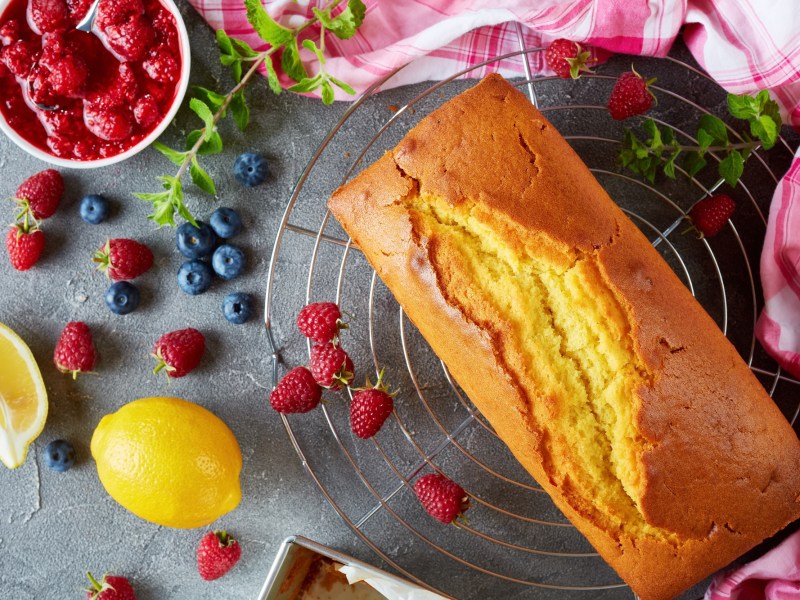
x: 180, y: 92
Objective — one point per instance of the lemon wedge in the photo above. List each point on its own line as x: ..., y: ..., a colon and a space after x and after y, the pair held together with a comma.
x: 23, y: 398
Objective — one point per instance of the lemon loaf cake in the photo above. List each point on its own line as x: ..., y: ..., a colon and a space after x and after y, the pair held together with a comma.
x: 594, y: 364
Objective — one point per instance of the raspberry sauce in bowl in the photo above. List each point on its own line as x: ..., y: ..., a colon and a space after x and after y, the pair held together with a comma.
x: 86, y: 100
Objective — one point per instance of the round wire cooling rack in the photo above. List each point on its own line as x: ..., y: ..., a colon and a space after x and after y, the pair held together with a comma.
x: 516, y: 544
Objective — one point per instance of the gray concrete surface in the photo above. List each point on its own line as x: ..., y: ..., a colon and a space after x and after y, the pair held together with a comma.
x: 53, y: 527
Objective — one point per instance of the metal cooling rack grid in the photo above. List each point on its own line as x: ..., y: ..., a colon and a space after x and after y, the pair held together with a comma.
x: 517, y: 544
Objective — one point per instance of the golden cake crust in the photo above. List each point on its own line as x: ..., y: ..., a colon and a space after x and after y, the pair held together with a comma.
x: 719, y: 459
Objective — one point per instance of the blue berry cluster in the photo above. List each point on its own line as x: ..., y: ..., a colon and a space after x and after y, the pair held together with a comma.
x: 227, y: 261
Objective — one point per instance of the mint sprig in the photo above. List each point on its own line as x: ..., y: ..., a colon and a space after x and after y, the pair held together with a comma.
x: 211, y: 106
x: 658, y: 150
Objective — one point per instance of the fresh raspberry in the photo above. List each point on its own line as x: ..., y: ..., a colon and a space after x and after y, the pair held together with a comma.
x: 75, y: 349
x: 111, y: 587
x: 19, y: 57
x: 216, y: 554
x: 114, y: 12
x: 320, y: 321
x: 330, y: 366
x: 711, y: 214
x: 179, y: 352
x: 123, y: 259
x: 111, y: 125
x: 146, y: 111
x: 68, y: 76
x: 631, y: 96
x: 41, y: 193
x: 9, y: 32
x: 442, y: 498
x: 49, y: 15
x: 568, y: 59
x: 296, y: 392
x: 24, y: 248
x: 132, y: 39
x: 161, y: 66
x: 370, y: 408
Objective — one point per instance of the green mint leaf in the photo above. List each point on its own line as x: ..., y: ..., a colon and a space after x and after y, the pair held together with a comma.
x: 211, y: 146
x: 202, y: 110
x: 343, y: 86
x: 243, y: 48
x: 693, y: 162
x: 344, y: 25
x: 272, y: 76
x: 201, y: 179
x: 669, y: 166
x: 291, y: 63
x: 654, y: 140
x: 174, y: 156
x: 327, y: 92
x: 167, y: 202
x: 240, y: 110
x: 742, y: 107
x: 224, y: 42
x: 668, y: 136
x: 236, y: 71
x: 765, y: 130
x: 731, y: 168
x: 210, y: 97
x: 309, y: 84
x: 716, y: 128
x: 762, y: 98
x: 704, y: 140
x: 311, y: 46
x: 265, y: 26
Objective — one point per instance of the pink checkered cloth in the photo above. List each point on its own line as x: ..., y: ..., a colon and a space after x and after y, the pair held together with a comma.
x: 745, y: 45
x: 774, y: 576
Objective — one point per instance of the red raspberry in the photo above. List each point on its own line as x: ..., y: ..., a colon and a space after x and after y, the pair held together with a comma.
x: 216, y: 554
x: 146, y: 111
x: 49, y: 15
x: 123, y: 259
x: 568, y: 59
x: 711, y: 214
x: 161, y: 66
x: 444, y: 499
x: 297, y: 392
x: 114, y: 12
x: 53, y: 48
x: 61, y: 146
x: 111, y: 587
x: 24, y: 249
x: 75, y: 349
x: 78, y: 9
x: 68, y: 76
x: 631, y: 96
x: 112, y: 124
x: 9, y: 32
x: 368, y: 412
x: 39, y: 88
x: 132, y: 39
x: 41, y: 193
x: 320, y: 321
x: 126, y: 86
x: 330, y: 366
x: 179, y: 352
x: 19, y: 57
x: 66, y: 122
x: 164, y: 24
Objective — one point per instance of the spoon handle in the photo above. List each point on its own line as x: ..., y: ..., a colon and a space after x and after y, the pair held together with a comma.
x: 88, y: 21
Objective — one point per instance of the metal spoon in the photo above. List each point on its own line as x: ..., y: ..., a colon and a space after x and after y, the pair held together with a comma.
x: 86, y: 24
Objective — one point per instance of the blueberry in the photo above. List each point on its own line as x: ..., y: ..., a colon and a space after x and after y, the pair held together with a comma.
x: 237, y: 307
x: 122, y: 298
x: 195, y: 277
x: 251, y: 169
x: 195, y: 242
x: 94, y: 209
x: 59, y: 455
x: 228, y: 261
x: 225, y: 222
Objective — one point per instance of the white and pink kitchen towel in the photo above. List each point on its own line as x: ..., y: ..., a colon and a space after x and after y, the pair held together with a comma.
x: 745, y: 45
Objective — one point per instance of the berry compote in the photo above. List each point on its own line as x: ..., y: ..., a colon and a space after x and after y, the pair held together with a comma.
x: 82, y: 96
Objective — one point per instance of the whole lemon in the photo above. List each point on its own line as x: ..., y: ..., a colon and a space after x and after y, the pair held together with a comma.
x: 168, y: 461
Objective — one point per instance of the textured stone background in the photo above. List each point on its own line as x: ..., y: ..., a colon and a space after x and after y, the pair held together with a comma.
x: 53, y: 527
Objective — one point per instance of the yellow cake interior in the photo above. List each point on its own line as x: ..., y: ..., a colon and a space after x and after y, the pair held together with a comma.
x: 570, y: 336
